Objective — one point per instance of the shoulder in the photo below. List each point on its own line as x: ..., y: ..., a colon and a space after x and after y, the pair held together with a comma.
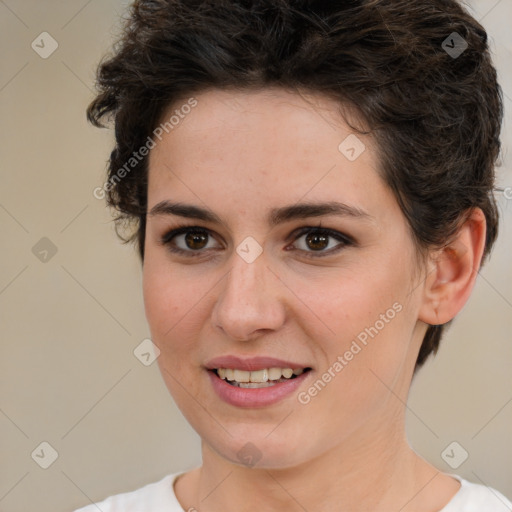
x: 153, y: 497
x: 474, y: 497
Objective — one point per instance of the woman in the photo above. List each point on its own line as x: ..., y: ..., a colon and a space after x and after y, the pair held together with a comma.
x: 310, y: 187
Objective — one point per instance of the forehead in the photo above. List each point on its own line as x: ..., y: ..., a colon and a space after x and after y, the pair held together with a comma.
x: 268, y: 118
x: 239, y: 149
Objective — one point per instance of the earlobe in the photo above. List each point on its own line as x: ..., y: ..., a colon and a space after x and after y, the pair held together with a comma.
x: 453, y: 272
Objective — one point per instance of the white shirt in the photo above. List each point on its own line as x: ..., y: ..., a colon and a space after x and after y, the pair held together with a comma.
x: 160, y: 497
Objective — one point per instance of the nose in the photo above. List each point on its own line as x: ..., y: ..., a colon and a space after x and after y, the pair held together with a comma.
x: 249, y: 303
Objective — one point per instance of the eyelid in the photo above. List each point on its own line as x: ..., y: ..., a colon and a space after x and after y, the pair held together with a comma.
x: 168, y: 236
x: 343, y: 239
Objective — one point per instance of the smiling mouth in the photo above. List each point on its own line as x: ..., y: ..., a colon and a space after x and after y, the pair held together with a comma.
x: 258, y: 379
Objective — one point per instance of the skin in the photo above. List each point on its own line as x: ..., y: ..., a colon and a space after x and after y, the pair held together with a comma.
x: 241, y: 154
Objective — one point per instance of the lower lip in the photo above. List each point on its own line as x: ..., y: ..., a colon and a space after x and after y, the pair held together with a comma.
x: 255, y: 397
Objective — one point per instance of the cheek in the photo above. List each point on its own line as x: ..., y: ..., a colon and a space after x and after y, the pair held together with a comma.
x: 170, y: 303
x: 370, y: 322
x: 349, y: 303
x: 172, y: 309
x: 354, y: 385
x: 158, y: 302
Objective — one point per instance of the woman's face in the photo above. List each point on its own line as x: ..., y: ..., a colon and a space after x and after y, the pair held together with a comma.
x: 250, y: 289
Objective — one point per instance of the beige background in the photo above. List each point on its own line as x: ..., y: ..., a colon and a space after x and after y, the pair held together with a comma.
x: 68, y: 326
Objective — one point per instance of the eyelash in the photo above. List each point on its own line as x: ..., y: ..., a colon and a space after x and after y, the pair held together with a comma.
x: 345, y: 240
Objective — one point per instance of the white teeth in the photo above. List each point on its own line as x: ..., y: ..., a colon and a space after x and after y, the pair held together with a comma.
x: 274, y: 373
x: 259, y: 376
x: 241, y: 376
x: 268, y: 376
x: 287, y: 372
x: 255, y: 384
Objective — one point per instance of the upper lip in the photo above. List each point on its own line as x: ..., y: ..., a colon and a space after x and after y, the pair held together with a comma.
x: 250, y: 363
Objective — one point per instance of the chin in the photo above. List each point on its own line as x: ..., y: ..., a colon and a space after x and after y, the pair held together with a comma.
x: 252, y: 450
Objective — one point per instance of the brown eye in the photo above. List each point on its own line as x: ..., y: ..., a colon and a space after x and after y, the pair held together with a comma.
x: 318, y: 242
x: 190, y: 241
x: 196, y: 240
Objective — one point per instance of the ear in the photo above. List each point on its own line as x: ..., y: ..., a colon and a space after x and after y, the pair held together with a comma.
x: 452, y: 272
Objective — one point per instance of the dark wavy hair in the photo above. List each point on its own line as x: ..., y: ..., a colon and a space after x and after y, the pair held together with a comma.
x: 435, y: 114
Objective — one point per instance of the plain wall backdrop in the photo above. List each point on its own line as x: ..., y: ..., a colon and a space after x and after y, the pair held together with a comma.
x: 71, y: 309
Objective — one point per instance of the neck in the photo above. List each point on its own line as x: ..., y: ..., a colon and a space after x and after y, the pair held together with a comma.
x: 373, y: 469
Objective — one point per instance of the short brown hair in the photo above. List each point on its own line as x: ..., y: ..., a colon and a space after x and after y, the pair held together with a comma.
x: 419, y: 74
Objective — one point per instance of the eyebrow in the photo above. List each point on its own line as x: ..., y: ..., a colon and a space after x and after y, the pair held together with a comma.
x: 275, y: 217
